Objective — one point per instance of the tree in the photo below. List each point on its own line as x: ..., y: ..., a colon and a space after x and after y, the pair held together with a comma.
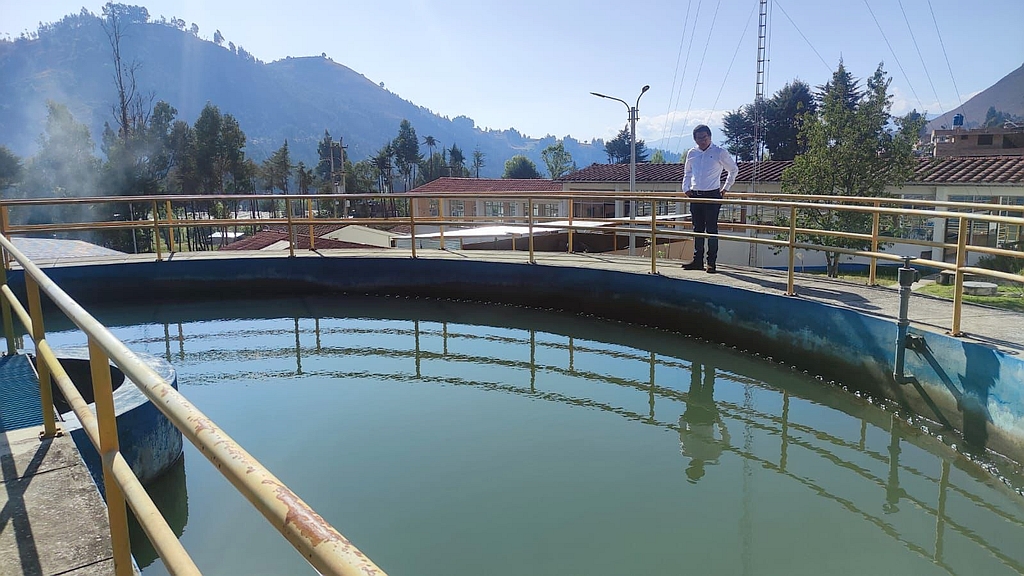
x: 738, y: 127
x: 406, y: 147
x: 658, y: 157
x: 457, y: 162
x: 783, y: 116
x: 520, y: 166
x: 618, y: 149
x: 218, y: 38
x: 278, y: 168
x: 996, y: 119
x: 11, y: 168
x: 478, y: 161
x: 430, y: 142
x: 851, y: 151
x: 558, y: 161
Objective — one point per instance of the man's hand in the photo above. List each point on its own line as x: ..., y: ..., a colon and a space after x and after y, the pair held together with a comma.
x: 688, y: 193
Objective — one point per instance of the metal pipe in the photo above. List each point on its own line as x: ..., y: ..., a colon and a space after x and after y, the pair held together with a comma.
x: 35, y: 309
x: 907, y: 277
x: 530, y: 210
x: 8, y: 315
x: 790, y: 291
x: 958, y: 285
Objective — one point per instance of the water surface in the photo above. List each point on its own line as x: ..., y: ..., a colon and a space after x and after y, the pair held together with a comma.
x: 449, y: 438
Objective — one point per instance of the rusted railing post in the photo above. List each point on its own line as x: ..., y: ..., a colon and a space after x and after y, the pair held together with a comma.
x: 958, y: 285
x: 440, y: 229
x: 35, y: 310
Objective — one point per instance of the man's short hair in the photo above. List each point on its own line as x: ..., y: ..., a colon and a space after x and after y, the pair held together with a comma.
x: 702, y: 128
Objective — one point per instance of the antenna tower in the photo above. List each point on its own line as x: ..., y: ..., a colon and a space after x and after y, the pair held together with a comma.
x: 759, y: 120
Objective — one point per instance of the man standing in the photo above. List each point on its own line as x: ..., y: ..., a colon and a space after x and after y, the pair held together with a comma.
x: 702, y: 178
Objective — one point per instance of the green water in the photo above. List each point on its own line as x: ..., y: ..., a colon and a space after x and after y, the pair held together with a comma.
x: 448, y: 438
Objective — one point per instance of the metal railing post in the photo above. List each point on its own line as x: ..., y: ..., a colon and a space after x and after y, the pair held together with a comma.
x: 875, y: 220
x: 35, y: 310
x: 654, y: 239
x: 156, y: 231
x: 792, y: 251
x: 117, y: 513
x: 958, y: 285
x: 569, y: 244
x: 309, y: 209
x: 440, y: 229
x: 8, y: 315
x: 412, y: 229
x: 529, y: 210
x: 170, y: 226
x: 291, y: 231
x: 4, y: 225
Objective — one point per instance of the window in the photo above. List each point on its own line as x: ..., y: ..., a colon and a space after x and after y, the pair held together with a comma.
x: 458, y: 208
x: 545, y: 210
x: 494, y: 209
x: 984, y: 139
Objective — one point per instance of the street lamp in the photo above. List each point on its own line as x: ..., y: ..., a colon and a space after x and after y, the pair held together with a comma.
x: 633, y: 116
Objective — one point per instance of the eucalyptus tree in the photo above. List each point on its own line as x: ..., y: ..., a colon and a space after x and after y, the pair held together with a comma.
x: 854, y: 148
x: 11, y: 168
x: 406, y: 148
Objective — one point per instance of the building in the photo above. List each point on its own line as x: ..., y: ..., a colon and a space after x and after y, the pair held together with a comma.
x: 1007, y: 140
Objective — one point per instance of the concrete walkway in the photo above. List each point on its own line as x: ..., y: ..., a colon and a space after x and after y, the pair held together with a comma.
x: 52, y: 519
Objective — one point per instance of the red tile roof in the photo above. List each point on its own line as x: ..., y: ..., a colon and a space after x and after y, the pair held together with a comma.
x: 487, y: 185
x: 951, y: 170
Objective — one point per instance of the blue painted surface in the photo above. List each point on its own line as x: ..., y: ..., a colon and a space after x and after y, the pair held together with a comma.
x: 19, y: 394
x: 973, y: 388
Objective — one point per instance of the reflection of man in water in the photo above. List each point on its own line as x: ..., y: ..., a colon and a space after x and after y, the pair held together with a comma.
x: 698, y: 422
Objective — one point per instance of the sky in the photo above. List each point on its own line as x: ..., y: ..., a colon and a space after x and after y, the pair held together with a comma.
x: 532, y: 64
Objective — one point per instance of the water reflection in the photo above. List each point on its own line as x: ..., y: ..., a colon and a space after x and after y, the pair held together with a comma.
x: 702, y: 432
x: 797, y: 444
x: 170, y: 495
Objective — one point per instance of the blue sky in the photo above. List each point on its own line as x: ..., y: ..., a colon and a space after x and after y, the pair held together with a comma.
x: 532, y: 64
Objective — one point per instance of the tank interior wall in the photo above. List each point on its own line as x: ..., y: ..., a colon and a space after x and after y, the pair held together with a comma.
x: 972, y: 388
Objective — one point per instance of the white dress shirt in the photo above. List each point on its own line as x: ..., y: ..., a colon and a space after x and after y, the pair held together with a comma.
x: 703, y: 169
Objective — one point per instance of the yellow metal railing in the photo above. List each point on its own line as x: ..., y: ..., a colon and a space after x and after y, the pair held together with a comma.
x: 301, y: 211
x: 319, y: 543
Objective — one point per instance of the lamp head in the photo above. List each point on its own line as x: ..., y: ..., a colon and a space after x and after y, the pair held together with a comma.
x: 645, y: 88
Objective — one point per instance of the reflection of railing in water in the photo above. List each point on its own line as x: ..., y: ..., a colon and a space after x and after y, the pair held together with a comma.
x: 751, y: 418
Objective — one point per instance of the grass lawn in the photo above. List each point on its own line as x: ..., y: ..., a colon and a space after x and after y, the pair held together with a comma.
x: 1009, y: 297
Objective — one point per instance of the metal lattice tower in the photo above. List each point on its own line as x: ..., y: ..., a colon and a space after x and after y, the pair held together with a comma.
x: 759, y: 120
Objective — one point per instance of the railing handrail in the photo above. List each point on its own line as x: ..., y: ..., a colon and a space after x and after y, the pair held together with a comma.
x: 644, y: 226
x: 319, y: 543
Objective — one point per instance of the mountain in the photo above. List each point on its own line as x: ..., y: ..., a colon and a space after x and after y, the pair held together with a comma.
x: 295, y: 99
x: 1006, y: 95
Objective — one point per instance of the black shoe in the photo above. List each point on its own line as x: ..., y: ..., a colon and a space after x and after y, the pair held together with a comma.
x: 695, y: 265
x: 711, y: 269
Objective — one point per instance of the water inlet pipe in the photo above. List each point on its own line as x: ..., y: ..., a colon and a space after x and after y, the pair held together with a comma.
x: 907, y: 276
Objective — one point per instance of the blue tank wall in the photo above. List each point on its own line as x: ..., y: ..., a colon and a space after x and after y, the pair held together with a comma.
x: 970, y: 387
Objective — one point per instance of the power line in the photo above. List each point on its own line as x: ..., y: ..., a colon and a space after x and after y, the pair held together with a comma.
x: 893, y: 52
x: 944, y: 55
x: 921, y: 56
x: 813, y: 49
x: 700, y: 67
x: 686, y: 64
x: 668, y: 113
x: 735, y: 52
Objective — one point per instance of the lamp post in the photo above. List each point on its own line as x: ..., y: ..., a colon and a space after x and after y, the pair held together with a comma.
x: 633, y: 116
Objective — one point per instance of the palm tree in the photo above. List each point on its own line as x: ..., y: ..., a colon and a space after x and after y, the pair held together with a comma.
x: 430, y: 142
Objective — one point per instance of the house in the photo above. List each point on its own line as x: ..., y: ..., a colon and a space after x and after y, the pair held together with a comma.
x: 1006, y: 140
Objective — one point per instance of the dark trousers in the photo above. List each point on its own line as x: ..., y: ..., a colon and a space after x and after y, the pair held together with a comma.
x: 705, y: 219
